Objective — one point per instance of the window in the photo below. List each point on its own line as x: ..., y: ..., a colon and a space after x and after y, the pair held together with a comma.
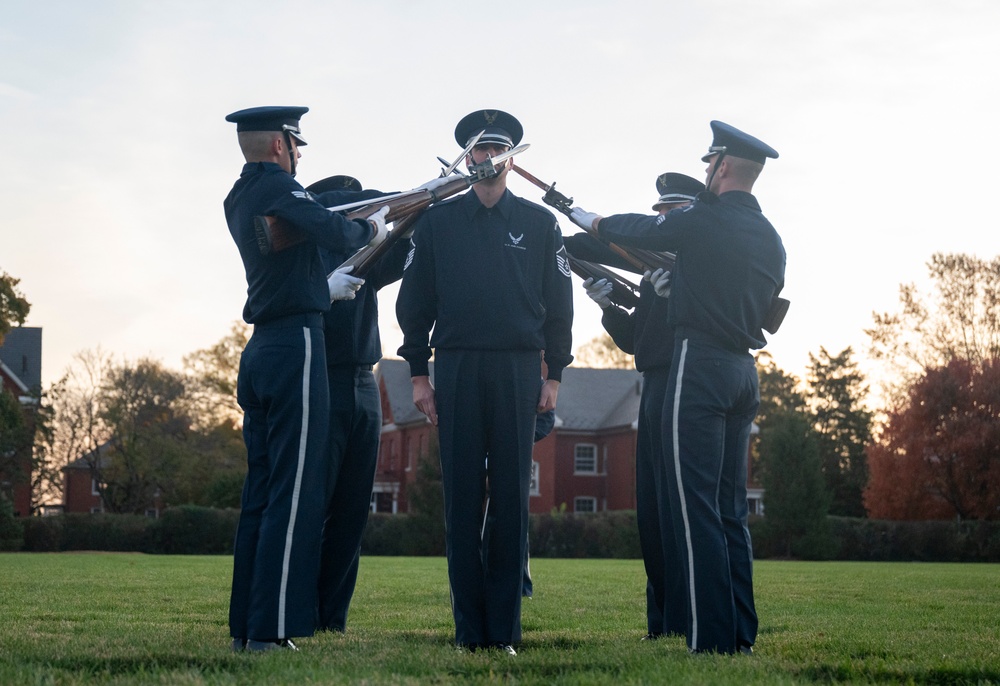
x: 94, y: 487
x: 585, y: 458
x: 534, y: 488
x: 584, y: 504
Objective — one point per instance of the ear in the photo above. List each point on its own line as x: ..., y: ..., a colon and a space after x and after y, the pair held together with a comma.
x: 278, y: 145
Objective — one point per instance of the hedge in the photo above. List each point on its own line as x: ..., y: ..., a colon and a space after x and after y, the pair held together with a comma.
x: 207, y: 531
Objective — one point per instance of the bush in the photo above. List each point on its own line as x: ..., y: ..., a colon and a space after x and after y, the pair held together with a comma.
x: 103, y: 531
x: 43, y: 534
x: 11, y: 528
x: 193, y: 530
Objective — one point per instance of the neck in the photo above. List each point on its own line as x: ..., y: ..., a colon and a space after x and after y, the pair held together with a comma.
x: 490, y: 191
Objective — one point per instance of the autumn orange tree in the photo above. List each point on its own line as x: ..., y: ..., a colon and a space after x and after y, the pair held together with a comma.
x: 938, y: 451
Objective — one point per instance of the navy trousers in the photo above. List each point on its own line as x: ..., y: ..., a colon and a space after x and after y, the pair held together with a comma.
x: 486, y: 401
x: 666, y: 599
x: 715, y: 397
x: 284, y: 395
x: 355, y: 426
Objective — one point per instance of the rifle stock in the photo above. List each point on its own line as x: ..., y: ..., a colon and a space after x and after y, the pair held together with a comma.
x: 623, y: 292
x: 275, y: 234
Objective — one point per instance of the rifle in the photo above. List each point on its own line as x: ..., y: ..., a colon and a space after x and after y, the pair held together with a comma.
x: 274, y: 234
x: 640, y: 259
x: 623, y: 292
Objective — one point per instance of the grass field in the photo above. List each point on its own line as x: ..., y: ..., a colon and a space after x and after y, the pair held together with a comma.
x: 94, y: 618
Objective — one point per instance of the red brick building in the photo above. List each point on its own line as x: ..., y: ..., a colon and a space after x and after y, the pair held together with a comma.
x: 586, y: 464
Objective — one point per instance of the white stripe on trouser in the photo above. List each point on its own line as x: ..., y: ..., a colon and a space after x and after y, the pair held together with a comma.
x: 303, y: 441
x: 680, y: 492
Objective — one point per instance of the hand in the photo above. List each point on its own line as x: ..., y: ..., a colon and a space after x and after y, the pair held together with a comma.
x: 585, y: 220
x: 342, y: 285
x: 423, y: 397
x: 598, y: 291
x: 660, y: 280
x: 548, y: 396
x: 377, y: 220
x: 433, y: 184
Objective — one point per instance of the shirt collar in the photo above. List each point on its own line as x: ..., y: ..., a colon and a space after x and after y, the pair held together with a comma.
x: 472, y: 205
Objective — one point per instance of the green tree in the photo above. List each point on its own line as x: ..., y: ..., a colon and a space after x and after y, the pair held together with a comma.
x: 14, y: 307
x: 796, y: 501
x: 147, y: 455
x: 425, y: 500
x: 836, y: 393
x: 15, y: 440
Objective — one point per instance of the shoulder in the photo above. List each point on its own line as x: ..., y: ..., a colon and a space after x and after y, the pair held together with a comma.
x: 534, y: 211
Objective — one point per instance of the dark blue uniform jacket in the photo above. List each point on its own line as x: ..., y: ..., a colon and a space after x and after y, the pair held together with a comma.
x: 719, y: 241
x: 486, y: 279
x: 291, y: 281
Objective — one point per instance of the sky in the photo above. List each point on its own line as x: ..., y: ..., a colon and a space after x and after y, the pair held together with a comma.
x: 117, y: 155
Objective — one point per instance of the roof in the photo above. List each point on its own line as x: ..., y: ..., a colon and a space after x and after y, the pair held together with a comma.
x: 589, y: 399
x: 21, y: 357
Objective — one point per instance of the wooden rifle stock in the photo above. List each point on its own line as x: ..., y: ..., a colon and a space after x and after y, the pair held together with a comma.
x: 623, y: 292
x: 366, y: 257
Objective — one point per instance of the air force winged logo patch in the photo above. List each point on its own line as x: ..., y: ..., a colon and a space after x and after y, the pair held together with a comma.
x: 515, y: 241
x: 562, y: 262
x: 409, y: 255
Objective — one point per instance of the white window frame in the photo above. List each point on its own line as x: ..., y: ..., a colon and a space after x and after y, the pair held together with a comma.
x: 535, y: 488
x: 576, y: 459
x: 578, y: 500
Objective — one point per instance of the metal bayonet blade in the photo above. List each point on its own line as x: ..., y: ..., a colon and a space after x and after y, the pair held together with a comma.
x: 447, y: 171
x: 504, y: 156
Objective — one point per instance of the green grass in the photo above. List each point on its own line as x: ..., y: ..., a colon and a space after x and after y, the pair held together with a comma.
x: 95, y: 618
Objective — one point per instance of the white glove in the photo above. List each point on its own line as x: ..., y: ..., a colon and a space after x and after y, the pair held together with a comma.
x: 433, y: 184
x: 342, y: 285
x: 598, y: 291
x: 377, y: 220
x: 660, y: 280
x: 585, y: 220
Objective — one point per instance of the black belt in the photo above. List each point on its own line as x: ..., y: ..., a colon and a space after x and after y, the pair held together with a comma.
x: 310, y: 319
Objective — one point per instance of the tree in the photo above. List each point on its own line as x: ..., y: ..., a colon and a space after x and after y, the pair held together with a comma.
x: 961, y: 320
x: 14, y: 307
x: 143, y: 408
x: 796, y: 501
x: 601, y: 352
x: 939, y: 456
x: 211, y: 378
x: 836, y: 392
x: 134, y: 426
x: 779, y: 391
x: 15, y: 439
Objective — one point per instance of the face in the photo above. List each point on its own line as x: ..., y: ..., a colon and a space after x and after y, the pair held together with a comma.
x: 283, y: 158
x: 708, y: 171
x: 481, y: 152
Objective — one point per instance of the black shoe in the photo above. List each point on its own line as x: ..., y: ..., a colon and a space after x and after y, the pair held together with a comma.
x: 262, y: 646
x: 651, y: 637
x: 746, y: 650
x: 239, y: 645
x: 507, y: 648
